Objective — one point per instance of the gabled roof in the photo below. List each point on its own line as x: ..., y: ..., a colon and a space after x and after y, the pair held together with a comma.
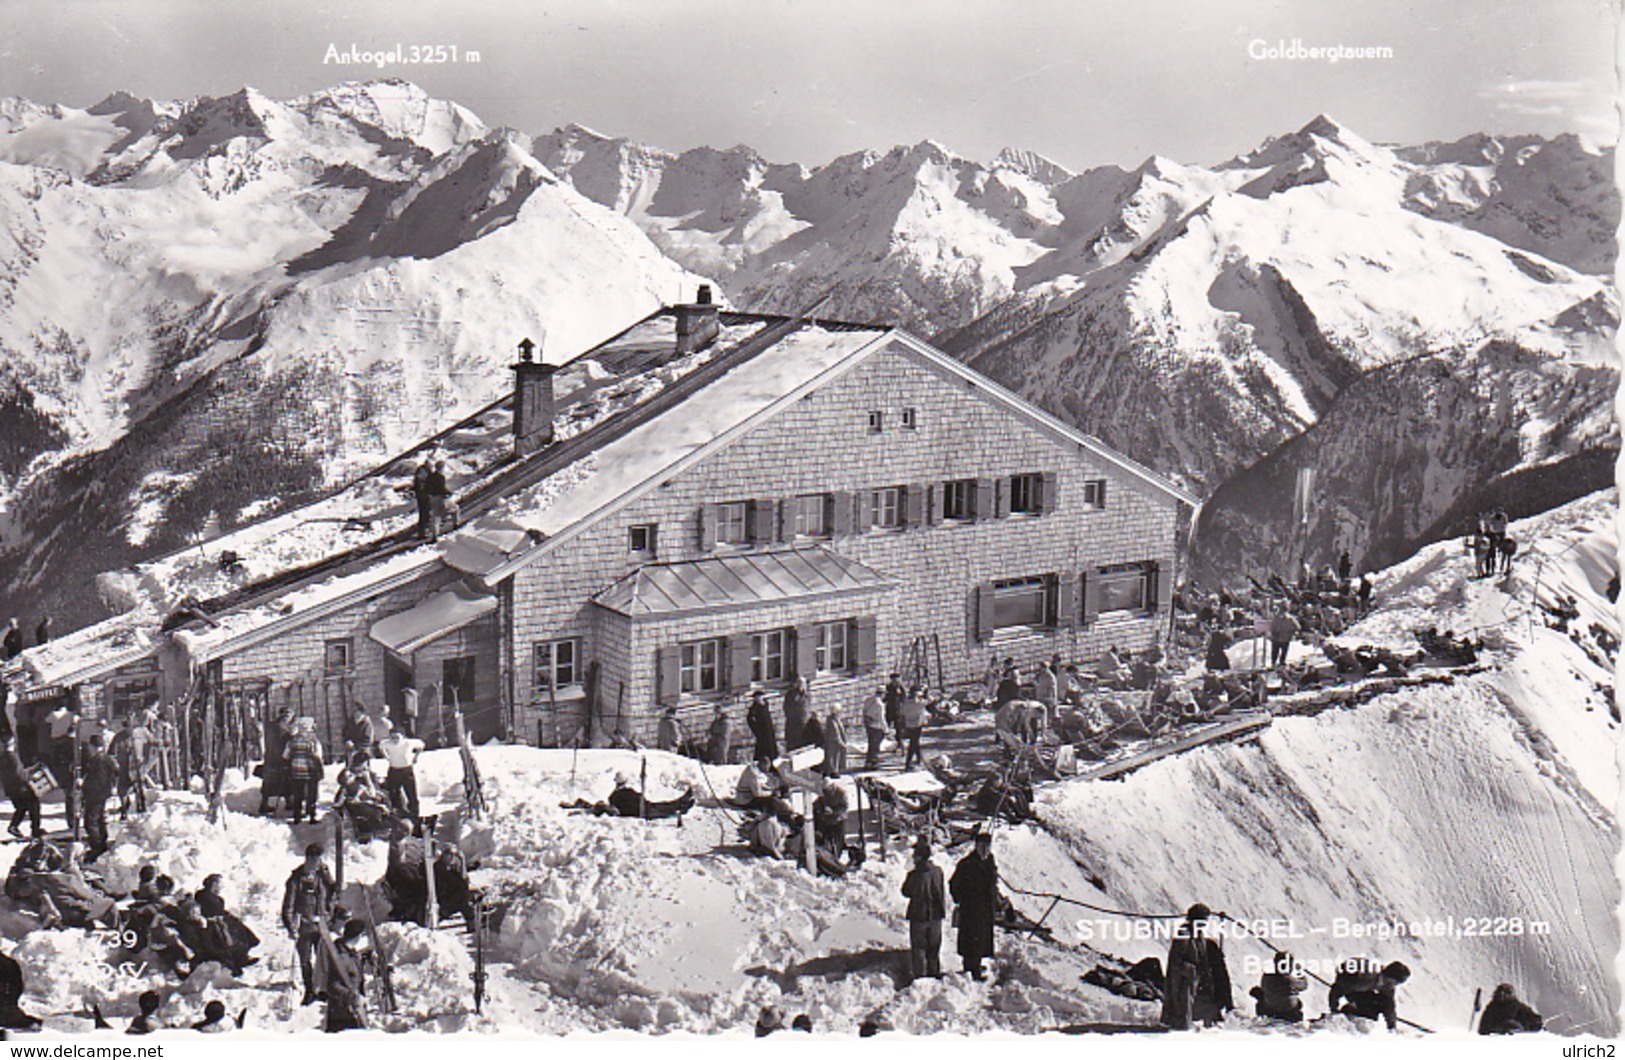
x: 749, y: 579
x: 530, y: 523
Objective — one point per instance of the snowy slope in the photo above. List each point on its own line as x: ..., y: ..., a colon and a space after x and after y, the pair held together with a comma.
x: 1491, y: 797
x: 239, y: 299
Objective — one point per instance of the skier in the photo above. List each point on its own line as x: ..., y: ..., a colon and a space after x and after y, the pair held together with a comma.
x: 13, y: 641
x: 99, y: 774
x: 719, y: 738
x: 1197, y: 984
x: 24, y: 801
x: 401, y: 782
x: 1218, y: 650
x: 759, y: 719
x: 307, y: 902
x: 1505, y: 1014
x: 975, y: 889
x: 927, y: 907
x: 874, y: 726
x: 304, y: 757
x: 797, y: 701
x: 346, y: 978
x: 1283, y: 627
x: 1278, y: 989
x: 894, y: 705
x: 1369, y: 993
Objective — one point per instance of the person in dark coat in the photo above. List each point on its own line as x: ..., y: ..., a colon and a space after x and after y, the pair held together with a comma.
x: 927, y: 907
x: 149, y: 1020
x: 307, y: 902
x: 759, y: 718
x: 719, y: 738
x: 42, y: 632
x: 100, y: 776
x: 1278, y: 989
x: 812, y: 732
x: 229, y: 936
x: 274, y: 774
x: 1196, y: 986
x: 892, y: 698
x: 1345, y: 567
x: 13, y: 641
x: 1283, y: 627
x: 1218, y: 651
x: 797, y: 702
x: 346, y: 978
x: 420, y: 494
x: 1369, y: 994
x: 14, y: 779
x: 12, y: 1016
x: 975, y: 889
x: 1505, y: 1014
x: 438, y: 491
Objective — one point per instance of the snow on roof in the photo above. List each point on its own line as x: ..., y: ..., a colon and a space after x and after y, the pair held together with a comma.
x: 298, y: 606
x: 93, y: 651
x: 608, y: 474
x: 445, y: 611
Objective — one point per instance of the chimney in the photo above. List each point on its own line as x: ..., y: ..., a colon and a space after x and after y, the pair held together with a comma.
x: 697, y: 324
x: 532, y: 401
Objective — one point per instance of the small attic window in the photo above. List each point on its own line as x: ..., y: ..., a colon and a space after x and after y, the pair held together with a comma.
x: 910, y: 419
x: 641, y: 539
x: 877, y: 421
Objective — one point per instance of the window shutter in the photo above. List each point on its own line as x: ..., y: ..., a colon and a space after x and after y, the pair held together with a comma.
x: 1162, y: 588
x: 863, y: 642
x: 762, y: 529
x: 840, y: 513
x: 739, y: 661
x: 708, y: 527
x: 806, y: 646
x: 984, y: 611
x: 984, y: 499
x: 1046, y: 492
x: 935, y: 497
x: 914, y: 505
x: 1091, y: 599
x: 1001, y: 497
x: 1100, y: 496
x: 667, y: 673
x: 1066, y: 601
x: 861, y: 511
x: 787, y: 519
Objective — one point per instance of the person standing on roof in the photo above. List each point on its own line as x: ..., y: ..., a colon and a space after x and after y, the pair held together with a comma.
x: 13, y: 642
x: 401, y: 782
x: 42, y: 632
x: 438, y: 491
x: 420, y: 494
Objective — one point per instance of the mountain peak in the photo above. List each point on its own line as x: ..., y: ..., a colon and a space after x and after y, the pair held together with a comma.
x: 1046, y: 171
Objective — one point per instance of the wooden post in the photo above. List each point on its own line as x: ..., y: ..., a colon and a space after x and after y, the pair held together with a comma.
x: 431, y: 912
x: 338, y: 851
x: 863, y: 833
x: 807, y: 835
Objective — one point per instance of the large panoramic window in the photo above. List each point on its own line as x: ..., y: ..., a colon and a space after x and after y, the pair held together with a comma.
x: 1023, y: 602
x: 1128, y: 587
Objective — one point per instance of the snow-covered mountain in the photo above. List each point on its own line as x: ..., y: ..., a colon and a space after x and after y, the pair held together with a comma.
x: 211, y: 304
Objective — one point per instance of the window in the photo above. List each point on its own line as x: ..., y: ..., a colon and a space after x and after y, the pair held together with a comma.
x: 959, y: 499
x: 829, y: 653
x: 886, y: 507
x: 556, y: 664
x: 877, y: 421
x: 1127, y: 588
x: 1094, y: 493
x: 699, y: 666
x: 338, y: 656
x: 807, y: 516
x: 1022, y: 602
x: 910, y: 419
x: 641, y: 539
x: 1026, y: 494
x: 767, y: 656
x: 732, y: 526
x: 127, y: 695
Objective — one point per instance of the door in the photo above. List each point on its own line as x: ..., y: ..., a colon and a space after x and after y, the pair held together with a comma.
x: 398, y: 677
x: 461, y: 690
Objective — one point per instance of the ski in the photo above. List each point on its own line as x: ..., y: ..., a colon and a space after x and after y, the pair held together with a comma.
x: 386, y: 980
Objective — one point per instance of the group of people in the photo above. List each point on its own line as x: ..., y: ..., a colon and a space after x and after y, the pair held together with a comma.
x: 772, y: 828
x: 974, y: 888
x: 432, y: 495
x: 1491, y: 546
x: 295, y: 761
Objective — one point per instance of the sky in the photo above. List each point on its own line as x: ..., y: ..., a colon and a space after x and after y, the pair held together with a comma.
x: 1083, y: 82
